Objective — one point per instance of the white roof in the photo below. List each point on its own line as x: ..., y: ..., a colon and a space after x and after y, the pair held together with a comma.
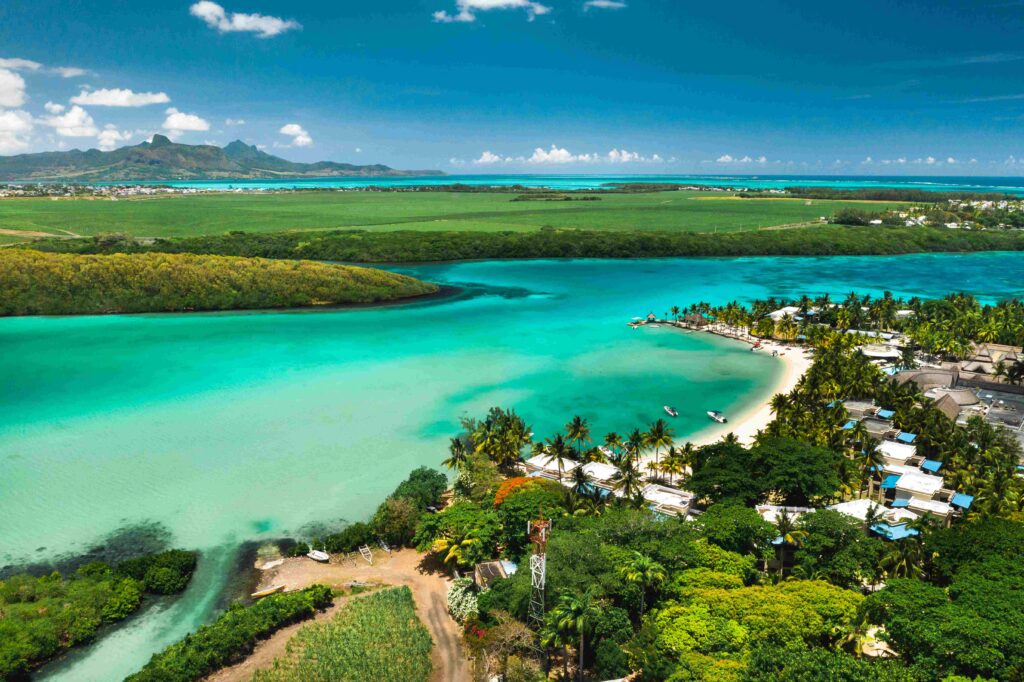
x: 546, y: 462
x: 933, y: 506
x: 890, y: 449
x: 858, y: 509
x: 663, y: 495
x: 600, y: 471
x: 918, y: 483
x: 879, y: 351
x: 790, y: 310
x: 771, y: 512
x: 900, y: 469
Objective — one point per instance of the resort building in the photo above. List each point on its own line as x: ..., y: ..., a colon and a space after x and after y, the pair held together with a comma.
x: 772, y: 512
x: 546, y: 466
x: 666, y: 500
x: 486, y: 573
x: 601, y: 475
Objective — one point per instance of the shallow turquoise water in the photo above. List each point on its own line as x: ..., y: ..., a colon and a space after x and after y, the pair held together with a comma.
x: 234, y: 426
x: 1007, y: 185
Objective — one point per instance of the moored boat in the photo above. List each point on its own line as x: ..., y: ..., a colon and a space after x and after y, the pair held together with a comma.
x: 273, y: 589
x: 672, y: 412
x: 317, y: 555
x: 717, y: 416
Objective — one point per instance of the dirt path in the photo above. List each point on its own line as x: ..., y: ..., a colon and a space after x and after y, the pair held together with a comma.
x: 429, y: 590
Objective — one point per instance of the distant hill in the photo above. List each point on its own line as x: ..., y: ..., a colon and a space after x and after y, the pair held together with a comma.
x: 162, y: 159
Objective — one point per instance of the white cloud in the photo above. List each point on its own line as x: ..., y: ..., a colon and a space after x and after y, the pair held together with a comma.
x: 488, y: 158
x: 603, y: 4
x: 12, y: 89
x: 300, y: 138
x: 216, y: 17
x: 868, y: 161
x: 75, y: 122
x: 359, y: 150
x: 15, y: 127
x: 467, y: 9
x: 110, y: 136
x: 728, y: 158
x: 119, y: 97
x: 234, y: 121
x: 54, y: 108
x: 178, y: 122
x: 16, y: 64
x: 69, y: 71
x: 951, y: 161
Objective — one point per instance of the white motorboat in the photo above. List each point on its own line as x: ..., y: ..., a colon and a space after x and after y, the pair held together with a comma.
x: 317, y: 555
x: 717, y: 416
x: 672, y: 412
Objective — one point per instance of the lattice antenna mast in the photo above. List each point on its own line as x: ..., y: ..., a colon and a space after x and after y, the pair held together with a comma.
x: 537, y: 531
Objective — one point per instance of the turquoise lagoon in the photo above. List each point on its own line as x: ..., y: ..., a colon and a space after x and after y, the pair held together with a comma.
x: 231, y: 427
x: 1003, y: 185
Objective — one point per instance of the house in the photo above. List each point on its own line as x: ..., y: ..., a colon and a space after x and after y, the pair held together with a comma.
x: 601, y: 475
x: 788, y: 311
x: 546, y: 466
x: 486, y: 573
x: 666, y: 500
x: 772, y: 512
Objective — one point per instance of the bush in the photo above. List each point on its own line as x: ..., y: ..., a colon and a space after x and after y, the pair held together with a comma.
x: 164, y: 573
x: 232, y: 636
x: 423, y: 488
x: 462, y: 601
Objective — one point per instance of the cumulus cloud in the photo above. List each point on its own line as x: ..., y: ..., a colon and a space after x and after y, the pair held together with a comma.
x: 729, y: 158
x: 603, y: 4
x: 110, y: 136
x: 263, y: 26
x: 234, y: 121
x: 467, y: 9
x: 559, y: 155
x: 75, y: 122
x: 178, y: 122
x: 119, y: 97
x: 300, y: 138
x: 54, y: 108
x: 12, y: 89
x: 15, y: 127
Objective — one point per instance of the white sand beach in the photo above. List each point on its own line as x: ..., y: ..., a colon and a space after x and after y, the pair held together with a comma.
x: 746, y: 424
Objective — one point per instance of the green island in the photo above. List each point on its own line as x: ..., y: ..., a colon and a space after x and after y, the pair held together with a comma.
x: 36, y: 283
x: 43, y: 616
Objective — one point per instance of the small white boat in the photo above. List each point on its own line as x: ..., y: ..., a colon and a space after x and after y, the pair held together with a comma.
x: 717, y: 416
x: 273, y: 589
x: 672, y: 412
x: 317, y: 555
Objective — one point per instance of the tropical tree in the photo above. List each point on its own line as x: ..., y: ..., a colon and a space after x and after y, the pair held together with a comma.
x: 575, y: 615
x: 628, y: 479
x: 658, y: 436
x: 458, y: 454
x: 578, y: 433
x: 645, y: 573
x: 558, y: 451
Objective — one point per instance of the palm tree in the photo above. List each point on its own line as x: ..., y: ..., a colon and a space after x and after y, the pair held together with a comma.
x: 458, y: 546
x: 458, y: 454
x: 870, y: 461
x: 659, y: 436
x: 582, y: 482
x: 575, y: 614
x: 644, y: 572
x: 551, y: 637
x: 792, y: 535
x: 578, y: 432
x: 635, y: 443
x: 673, y: 464
x: 557, y: 451
x: 904, y: 559
x: 628, y: 479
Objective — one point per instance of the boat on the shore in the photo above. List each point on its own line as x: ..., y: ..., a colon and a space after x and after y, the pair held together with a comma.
x: 672, y: 412
x: 317, y: 555
x: 273, y: 589
x: 717, y: 416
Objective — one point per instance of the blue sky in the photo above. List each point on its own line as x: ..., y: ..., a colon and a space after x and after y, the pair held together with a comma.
x: 568, y: 86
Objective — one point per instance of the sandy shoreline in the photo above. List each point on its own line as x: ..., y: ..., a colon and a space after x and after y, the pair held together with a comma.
x: 796, y: 360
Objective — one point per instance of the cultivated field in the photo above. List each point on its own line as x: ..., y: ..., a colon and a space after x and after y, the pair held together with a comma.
x: 178, y: 216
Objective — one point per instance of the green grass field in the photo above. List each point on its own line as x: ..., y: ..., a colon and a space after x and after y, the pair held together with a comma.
x: 179, y: 216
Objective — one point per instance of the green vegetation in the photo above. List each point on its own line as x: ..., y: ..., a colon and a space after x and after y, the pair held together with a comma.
x: 40, y: 617
x: 920, y: 196
x: 427, y: 246
x: 377, y: 638
x: 36, y: 283
x: 232, y: 636
x: 215, y: 214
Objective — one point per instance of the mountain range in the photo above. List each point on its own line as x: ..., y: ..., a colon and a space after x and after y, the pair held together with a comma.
x: 162, y: 159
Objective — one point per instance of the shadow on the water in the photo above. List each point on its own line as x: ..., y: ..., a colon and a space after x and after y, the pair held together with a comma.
x: 127, y: 542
